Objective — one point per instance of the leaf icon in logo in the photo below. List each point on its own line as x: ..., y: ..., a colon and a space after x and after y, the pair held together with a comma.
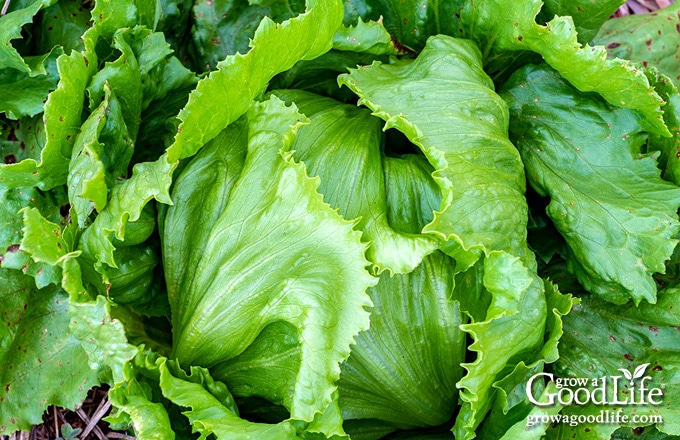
x: 627, y: 374
x: 639, y: 371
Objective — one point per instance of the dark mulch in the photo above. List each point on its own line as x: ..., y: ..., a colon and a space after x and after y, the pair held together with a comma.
x: 87, y: 418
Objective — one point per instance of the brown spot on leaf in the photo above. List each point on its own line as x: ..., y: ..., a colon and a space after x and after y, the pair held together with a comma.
x: 613, y: 45
x: 13, y: 248
x: 629, y: 357
x: 10, y: 158
x: 400, y: 48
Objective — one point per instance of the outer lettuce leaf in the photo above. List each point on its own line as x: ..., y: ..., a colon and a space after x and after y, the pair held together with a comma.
x: 24, y: 95
x: 669, y: 160
x: 140, y: 399
x: 504, y: 25
x: 151, y: 420
x: 651, y: 39
x: 10, y: 29
x: 102, y: 338
x: 62, y: 122
x: 225, y: 27
x: 210, y: 416
x: 156, y: 388
x: 618, y: 217
x: 445, y: 104
x: 404, y: 370
x: 510, y: 409
x: 238, y: 80
x: 62, y: 24
x: 410, y: 22
x: 53, y: 205
x: 41, y: 362
x: 536, y: 432
x: 501, y: 339
x: 110, y: 16
x: 599, y: 339
x: 342, y: 146
x: 268, y: 250
x: 103, y: 139
x: 588, y: 16
x: 369, y: 37
x: 248, y: 75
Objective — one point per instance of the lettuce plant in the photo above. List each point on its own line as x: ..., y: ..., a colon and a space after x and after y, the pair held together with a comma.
x: 367, y: 219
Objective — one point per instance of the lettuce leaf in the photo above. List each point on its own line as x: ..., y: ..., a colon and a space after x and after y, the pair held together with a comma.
x: 509, y: 310
x: 649, y: 39
x: 499, y: 26
x: 341, y: 145
x: 608, y: 201
x: 42, y: 362
x: 10, y: 28
x: 269, y: 246
x: 600, y: 339
x: 404, y: 370
x: 238, y: 80
x: 445, y: 104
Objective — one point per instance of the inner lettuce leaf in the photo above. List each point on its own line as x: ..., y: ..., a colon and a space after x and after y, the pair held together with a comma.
x: 341, y: 145
x: 445, y: 104
x: 274, y: 247
x: 404, y: 370
x: 618, y: 217
x: 405, y: 176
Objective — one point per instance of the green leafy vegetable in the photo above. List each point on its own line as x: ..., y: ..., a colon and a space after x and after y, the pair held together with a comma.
x: 618, y: 217
x: 326, y: 220
x: 471, y: 142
